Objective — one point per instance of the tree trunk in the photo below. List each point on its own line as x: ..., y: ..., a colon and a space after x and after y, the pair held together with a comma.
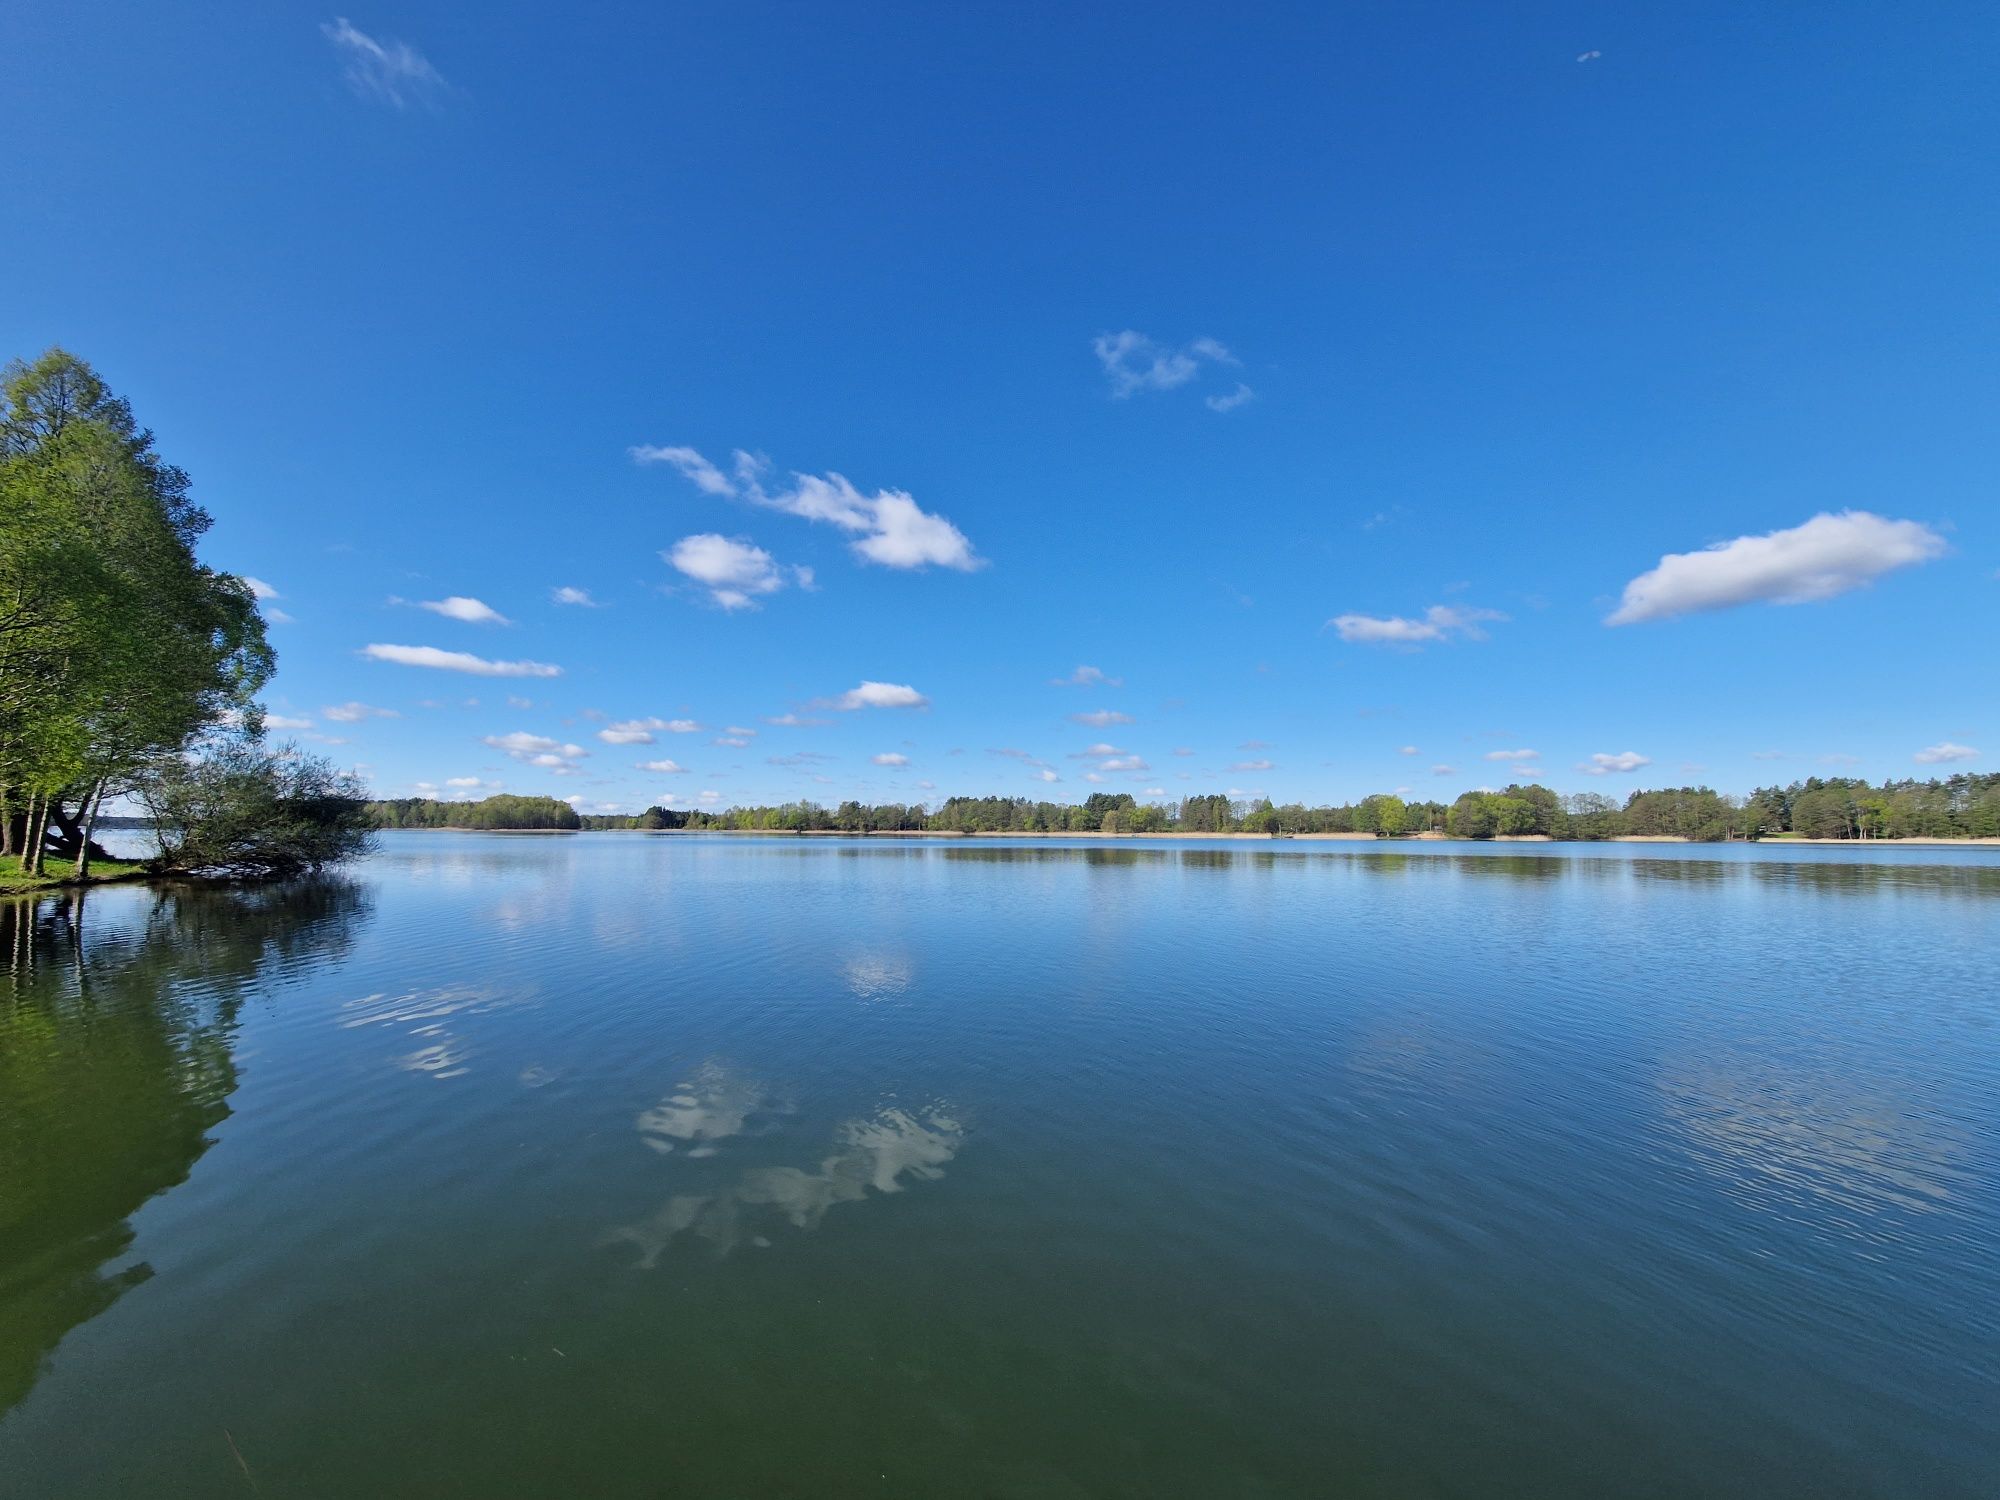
x: 93, y: 798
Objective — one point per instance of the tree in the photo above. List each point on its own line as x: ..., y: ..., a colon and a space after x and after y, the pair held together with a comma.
x: 243, y: 809
x: 117, y: 646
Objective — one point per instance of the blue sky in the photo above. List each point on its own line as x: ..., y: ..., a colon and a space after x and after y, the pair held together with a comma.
x: 1321, y: 379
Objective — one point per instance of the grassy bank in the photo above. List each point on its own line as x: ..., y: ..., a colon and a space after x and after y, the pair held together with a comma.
x: 59, y: 875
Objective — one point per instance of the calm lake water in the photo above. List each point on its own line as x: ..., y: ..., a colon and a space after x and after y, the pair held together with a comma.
x: 618, y: 1165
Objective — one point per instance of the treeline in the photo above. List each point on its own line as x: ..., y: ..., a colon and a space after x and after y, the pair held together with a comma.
x: 1965, y: 806
x: 501, y: 811
x: 126, y: 663
x: 1962, y: 806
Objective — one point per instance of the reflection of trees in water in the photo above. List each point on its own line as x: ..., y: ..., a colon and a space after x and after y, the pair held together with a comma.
x: 115, y: 1063
x: 875, y: 1152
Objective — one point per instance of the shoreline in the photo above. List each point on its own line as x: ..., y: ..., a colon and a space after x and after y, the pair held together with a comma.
x: 1363, y: 838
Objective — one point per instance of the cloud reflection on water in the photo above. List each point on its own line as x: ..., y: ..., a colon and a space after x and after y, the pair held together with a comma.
x: 712, y: 1105
x: 882, y: 1152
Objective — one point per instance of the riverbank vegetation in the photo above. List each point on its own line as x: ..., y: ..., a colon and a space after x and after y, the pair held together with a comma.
x: 501, y: 812
x: 129, y: 668
x: 1965, y: 806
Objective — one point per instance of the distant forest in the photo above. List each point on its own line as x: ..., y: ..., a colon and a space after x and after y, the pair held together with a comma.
x: 1964, y: 806
x: 497, y: 812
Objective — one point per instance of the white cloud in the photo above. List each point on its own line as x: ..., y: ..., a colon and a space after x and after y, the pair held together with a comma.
x: 286, y: 721
x: 908, y: 537
x: 1440, y: 622
x: 354, y: 713
x: 1102, y: 718
x: 795, y: 721
x: 387, y: 72
x: 1943, y: 752
x: 697, y: 470
x: 1123, y: 763
x: 1408, y: 750
x: 1155, y: 791
x: 459, y: 607
x: 458, y: 661
x: 1093, y: 777
x: 1133, y: 362
x: 631, y: 731
x: 538, y: 750
x: 1603, y: 765
x: 1047, y: 773
x: 1252, y: 765
x: 878, y: 695
x: 260, y: 589
x: 466, y: 781
x: 732, y: 741
x: 1241, y: 396
x: 891, y: 758
x: 579, y: 597
x: 893, y: 530
x: 280, y: 617
x: 733, y: 570
x: 1086, y: 677
x: 1513, y: 755
x: 1828, y: 555
x: 664, y: 767
x: 1444, y: 770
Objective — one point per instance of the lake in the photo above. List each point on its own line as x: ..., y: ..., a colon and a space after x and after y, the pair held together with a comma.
x: 625, y: 1165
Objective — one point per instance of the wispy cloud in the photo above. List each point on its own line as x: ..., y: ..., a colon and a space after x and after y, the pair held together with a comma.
x: 578, y: 597
x: 1252, y: 765
x: 354, y: 713
x: 1101, y: 718
x: 1042, y: 770
x: 664, y: 767
x: 458, y: 661
x: 538, y: 750
x: 386, y: 71
x: 1604, y: 765
x: 1515, y: 756
x: 1441, y: 622
x: 1943, y: 753
x: 1827, y: 556
x: 1086, y: 677
x: 889, y: 527
x: 260, y: 589
x: 1134, y: 362
x: 286, y: 721
x: 459, y: 607
x: 890, y: 758
x: 641, y: 731
x: 876, y: 695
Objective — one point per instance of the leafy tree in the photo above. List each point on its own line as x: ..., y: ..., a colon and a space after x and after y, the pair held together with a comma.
x: 242, y: 809
x: 117, y: 645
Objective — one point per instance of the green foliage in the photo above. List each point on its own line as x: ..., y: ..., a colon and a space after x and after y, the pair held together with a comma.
x: 501, y: 812
x: 1964, y: 806
x: 242, y: 809
x: 118, y: 647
